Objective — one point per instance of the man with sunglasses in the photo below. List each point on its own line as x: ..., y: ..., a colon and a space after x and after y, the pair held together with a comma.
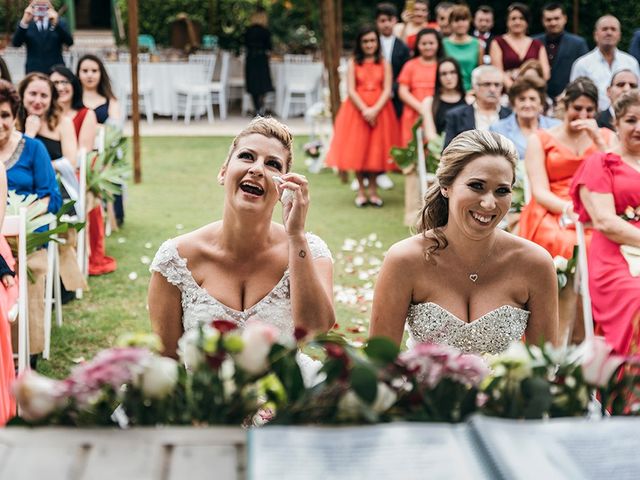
x: 622, y: 81
x: 487, y: 85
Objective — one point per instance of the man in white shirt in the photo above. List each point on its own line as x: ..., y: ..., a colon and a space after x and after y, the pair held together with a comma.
x: 600, y: 63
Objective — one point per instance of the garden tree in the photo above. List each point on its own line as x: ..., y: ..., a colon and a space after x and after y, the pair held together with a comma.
x: 332, y: 48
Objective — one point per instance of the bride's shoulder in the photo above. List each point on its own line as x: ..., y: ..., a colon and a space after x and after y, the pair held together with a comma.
x: 523, y: 252
x: 193, y: 244
x: 409, y: 251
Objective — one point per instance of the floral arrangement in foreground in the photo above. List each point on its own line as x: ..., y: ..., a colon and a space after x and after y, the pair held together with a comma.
x: 252, y: 376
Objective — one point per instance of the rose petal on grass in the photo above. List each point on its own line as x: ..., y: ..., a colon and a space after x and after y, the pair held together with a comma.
x: 148, y: 245
x: 179, y: 226
x: 145, y: 260
x: 122, y: 240
x: 133, y: 276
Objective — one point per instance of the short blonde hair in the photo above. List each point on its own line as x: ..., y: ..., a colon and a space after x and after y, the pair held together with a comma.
x: 625, y: 102
x: 270, y: 128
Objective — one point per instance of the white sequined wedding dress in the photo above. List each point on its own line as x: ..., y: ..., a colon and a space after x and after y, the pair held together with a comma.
x: 200, y: 307
x: 491, y: 333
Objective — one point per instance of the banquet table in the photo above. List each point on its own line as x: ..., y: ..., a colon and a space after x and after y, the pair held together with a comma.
x: 160, y: 77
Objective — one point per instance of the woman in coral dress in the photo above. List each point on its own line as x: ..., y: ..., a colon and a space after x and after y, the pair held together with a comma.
x: 366, y: 126
x: 552, y: 158
x: 606, y: 192
x: 417, y: 80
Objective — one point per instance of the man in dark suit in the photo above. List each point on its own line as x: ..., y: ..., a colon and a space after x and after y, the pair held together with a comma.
x: 44, y: 34
x: 563, y: 48
x: 486, y: 110
x: 394, y: 50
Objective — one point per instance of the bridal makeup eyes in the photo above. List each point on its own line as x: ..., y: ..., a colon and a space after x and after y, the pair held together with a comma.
x: 271, y: 162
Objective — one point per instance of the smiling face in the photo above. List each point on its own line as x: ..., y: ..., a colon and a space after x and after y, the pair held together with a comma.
x: 517, y: 23
x: 628, y: 127
x: 480, y: 196
x: 63, y: 86
x: 369, y: 43
x: 528, y: 104
x: 428, y: 46
x: 7, y: 122
x: 37, y: 97
x: 89, y: 74
x: 248, y: 174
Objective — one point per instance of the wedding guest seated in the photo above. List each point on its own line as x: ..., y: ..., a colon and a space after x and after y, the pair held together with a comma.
x: 492, y: 287
x: 85, y: 124
x: 605, y: 192
x: 532, y: 68
x: 29, y: 172
x: 527, y: 97
x: 246, y: 267
x: 552, y: 158
x: 621, y: 81
x: 485, y: 111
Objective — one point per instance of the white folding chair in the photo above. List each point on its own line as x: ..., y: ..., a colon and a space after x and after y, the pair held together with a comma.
x: 81, y: 211
x: 16, y: 226
x: 52, y: 293
x: 583, y: 279
x: 220, y: 89
x: 196, y: 94
x: 301, y: 85
x: 294, y: 58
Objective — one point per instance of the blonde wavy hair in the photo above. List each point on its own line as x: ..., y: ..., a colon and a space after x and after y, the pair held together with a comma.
x: 462, y: 150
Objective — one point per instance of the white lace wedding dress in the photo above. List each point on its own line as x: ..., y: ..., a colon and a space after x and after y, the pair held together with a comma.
x: 492, y: 333
x: 200, y: 307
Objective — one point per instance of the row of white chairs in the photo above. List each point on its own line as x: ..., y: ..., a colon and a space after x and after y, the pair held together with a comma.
x: 16, y: 226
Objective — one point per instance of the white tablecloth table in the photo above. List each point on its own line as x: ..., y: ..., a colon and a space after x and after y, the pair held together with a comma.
x: 161, y: 77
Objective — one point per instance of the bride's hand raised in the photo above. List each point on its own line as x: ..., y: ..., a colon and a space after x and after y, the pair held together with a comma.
x: 295, y: 202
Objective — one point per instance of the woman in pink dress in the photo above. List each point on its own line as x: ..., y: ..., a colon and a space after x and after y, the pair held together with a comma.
x: 606, y: 192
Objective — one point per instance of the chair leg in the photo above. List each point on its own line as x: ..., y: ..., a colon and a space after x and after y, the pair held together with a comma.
x: 57, y: 290
x: 176, y: 102
x: 48, y: 298
x: 209, y: 106
x: 187, y: 109
x: 285, y: 107
x: 148, y: 108
x: 223, y: 104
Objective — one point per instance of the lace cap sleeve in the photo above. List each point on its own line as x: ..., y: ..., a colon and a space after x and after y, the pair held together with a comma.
x: 169, y: 263
x: 318, y: 248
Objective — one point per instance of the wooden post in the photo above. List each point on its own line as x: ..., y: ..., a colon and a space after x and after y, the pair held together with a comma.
x: 576, y: 15
x: 135, y: 107
x: 331, y: 16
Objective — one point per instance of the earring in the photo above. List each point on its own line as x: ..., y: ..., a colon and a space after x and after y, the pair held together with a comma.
x: 221, y: 181
x: 444, y: 194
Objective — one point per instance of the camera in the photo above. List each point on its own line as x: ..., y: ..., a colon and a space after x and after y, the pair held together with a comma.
x: 40, y: 9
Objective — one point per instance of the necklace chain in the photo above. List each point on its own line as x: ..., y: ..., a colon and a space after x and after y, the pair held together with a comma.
x: 473, y: 275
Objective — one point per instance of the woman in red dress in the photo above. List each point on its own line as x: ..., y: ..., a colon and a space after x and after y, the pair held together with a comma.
x: 553, y: 156
x: 606, y: 192
x: 417, y: 80
x: 366, y: 126
x: 86, y: 126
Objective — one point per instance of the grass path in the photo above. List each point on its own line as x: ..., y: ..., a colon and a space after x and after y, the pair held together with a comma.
x: 180, y: 193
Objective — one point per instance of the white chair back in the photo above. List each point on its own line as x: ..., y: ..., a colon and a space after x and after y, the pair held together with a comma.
x: 583, y: 278
x: 290, y: 58
x: 16, y: 226
x: 224, y: 68
x: 208, y: 60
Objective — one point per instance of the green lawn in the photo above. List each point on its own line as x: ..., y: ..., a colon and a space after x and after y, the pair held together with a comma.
x: 179, y: 192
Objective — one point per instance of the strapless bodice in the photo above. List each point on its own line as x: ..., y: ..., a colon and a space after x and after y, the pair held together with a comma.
x: 492, y: 333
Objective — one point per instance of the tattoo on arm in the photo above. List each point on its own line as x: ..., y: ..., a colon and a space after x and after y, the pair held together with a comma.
x: 302, y: 254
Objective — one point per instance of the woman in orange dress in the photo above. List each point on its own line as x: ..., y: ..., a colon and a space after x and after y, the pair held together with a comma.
x: 417, y: 80
x: 366, y: 126
x: 553, y: 157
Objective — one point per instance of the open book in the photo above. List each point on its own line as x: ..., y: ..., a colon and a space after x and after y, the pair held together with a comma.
x: 483, y: 448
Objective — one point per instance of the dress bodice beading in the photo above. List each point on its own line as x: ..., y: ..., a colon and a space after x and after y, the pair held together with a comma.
x: 492, y: 333
x: 198, y: 306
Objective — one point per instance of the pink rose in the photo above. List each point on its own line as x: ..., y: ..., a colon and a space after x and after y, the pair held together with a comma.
x: 598, y: 364
x: 258, y: 339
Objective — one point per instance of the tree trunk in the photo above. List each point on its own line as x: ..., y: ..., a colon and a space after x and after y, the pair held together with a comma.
x: 331, y: 18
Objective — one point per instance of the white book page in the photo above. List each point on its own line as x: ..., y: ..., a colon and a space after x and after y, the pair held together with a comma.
x: 564, y: 448
x: 400, y: 450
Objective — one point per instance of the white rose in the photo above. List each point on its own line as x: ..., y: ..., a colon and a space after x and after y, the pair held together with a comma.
x: 159, y: 377
x: 517, y: 361
x: 385, y: 398
x: 598, y: 364
x: 37, y: 395
x: 258, y: 339
x: 188, y: 349
x: 560, y: 263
